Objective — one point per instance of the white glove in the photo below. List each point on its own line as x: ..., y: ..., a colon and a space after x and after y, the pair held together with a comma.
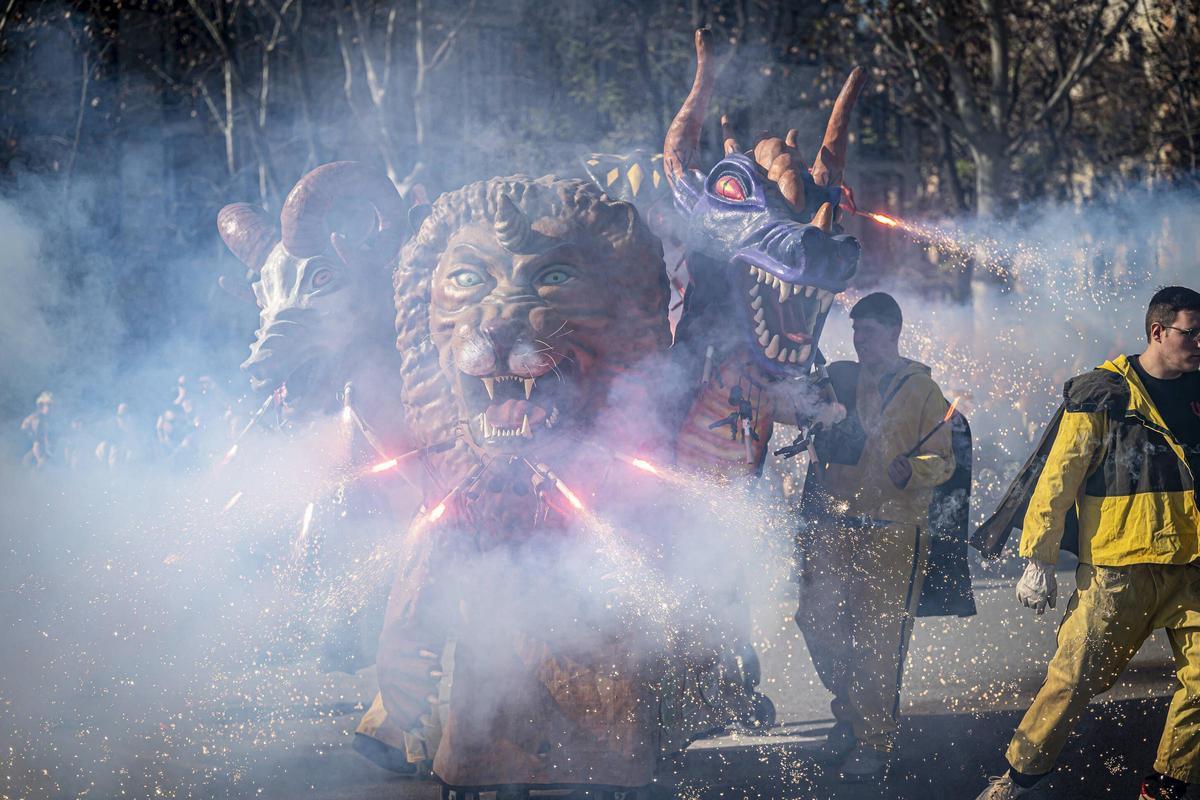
x: 1038, y: 588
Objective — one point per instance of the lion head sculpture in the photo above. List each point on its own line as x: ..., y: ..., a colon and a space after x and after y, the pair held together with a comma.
x: 322, y: 281
x: 519, y: 303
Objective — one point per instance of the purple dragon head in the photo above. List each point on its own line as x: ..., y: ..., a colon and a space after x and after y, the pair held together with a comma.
x: 768, y: 222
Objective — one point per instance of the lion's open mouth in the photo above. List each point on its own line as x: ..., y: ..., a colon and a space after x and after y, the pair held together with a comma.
x: 785, y: 315
x: 514, y: 410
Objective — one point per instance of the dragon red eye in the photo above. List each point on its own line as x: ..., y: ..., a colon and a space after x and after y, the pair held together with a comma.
x: 729, y: 187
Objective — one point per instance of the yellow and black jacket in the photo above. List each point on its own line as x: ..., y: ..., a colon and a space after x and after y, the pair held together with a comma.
x: 1108, y: 481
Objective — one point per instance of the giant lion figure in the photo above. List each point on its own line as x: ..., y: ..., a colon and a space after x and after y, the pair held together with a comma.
x: 532, y: 315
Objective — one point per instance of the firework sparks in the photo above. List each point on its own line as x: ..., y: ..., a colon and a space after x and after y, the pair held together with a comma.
x: 566, y: 492
x: 232, y: 501
x: 950, y: 411
x: 384, y: 466
x: 437, y: 512
x: 644, y: 465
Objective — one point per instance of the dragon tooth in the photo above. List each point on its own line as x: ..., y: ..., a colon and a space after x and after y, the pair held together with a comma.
x: 772, y: 348
x: 757, y: 302
x: 490, y: 385
x: 826, y: 301
x: 793, y: 357
x: 529, y: 382
x: 804, y: 351
x: 758, y: 315
x: 785, y: 289
x: 808, y: 291
x: 763, y: 336
x: 528, y: 434
x: 783, y: 356
x: 753, y: 290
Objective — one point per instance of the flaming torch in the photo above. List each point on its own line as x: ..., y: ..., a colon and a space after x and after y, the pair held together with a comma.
x: 935, y: 429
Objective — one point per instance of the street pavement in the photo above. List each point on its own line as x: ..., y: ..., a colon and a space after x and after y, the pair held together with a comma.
x: 967, y: 683
x: 966, y: 687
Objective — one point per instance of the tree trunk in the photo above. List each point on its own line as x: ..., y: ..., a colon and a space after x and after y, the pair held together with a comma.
x: 992, y: 180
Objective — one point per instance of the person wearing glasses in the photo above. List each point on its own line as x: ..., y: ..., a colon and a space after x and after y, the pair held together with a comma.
x: 1117, y: 469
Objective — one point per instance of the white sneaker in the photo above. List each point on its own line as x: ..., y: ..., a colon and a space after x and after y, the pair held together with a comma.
x: 1002, y: 787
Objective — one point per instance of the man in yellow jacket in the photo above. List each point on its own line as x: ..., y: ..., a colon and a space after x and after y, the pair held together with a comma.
x: 1119, y: 468
x: 865, y: 553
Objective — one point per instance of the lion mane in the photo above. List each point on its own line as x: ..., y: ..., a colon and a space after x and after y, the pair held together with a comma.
x: 634, y: 265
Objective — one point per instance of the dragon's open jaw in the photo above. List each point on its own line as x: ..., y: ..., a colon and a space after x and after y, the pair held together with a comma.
x: 786, y: 317
x: 512, y: 412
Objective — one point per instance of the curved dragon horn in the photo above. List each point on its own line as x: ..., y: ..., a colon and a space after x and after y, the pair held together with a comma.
x: 247, y: 232
x: 681, y: 149
x: 831, y: 158
x: 512, y: 227
x: 304, y: 218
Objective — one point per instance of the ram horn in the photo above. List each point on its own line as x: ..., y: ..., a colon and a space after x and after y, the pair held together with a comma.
x: 248, y: 233
x: 305, y: 222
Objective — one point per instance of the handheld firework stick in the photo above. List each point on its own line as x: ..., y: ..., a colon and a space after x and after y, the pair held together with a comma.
x: 935, y: 429
x: 548, y: 474
x: 804, y: 441
x: 706, y: 376
x: 249, y: 425
x: 438, y: 447
x: 468, y: 483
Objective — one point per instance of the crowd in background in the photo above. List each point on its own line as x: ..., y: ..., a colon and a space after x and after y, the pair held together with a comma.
x: 198, y: 420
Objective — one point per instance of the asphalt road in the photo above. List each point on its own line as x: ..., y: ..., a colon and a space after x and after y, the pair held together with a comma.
x: 109, y: 687
x: 966, y: 687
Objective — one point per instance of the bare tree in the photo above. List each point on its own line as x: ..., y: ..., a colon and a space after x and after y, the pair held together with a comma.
x: 993, y: 72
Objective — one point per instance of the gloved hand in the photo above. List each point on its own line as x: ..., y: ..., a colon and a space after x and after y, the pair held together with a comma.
x: 1038, y: 588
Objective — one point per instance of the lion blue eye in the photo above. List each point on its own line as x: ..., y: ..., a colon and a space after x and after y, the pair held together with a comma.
x: 466, y: 279
x: 555, y: 277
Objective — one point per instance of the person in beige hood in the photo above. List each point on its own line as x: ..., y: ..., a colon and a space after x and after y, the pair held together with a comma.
x: 866, y: 502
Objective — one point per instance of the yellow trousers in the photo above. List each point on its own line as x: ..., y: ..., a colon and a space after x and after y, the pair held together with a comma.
x: 1113, y: 611
x: 859, y: 589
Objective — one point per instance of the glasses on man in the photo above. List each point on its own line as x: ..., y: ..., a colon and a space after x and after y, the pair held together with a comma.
x: 1191, y: 333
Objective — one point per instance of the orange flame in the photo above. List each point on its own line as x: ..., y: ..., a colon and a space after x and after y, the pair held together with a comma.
x: 384, y: 466
x: 950, y: 411
x: 232, y: 501
x: 347, y: 414
x: 883, y: 219
x: 644, y: 465
x: 437, y: 512
x: 567, y: 493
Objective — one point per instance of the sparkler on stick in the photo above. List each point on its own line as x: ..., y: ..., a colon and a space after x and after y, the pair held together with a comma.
x: 391, y: 463
x: 935, y: 429
x: 466, y: 484
x: 563, y: 489
x: 253, y: 421
x: 232, y: 501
